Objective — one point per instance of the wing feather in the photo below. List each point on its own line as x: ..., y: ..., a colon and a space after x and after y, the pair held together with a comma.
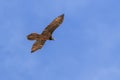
x: 54, y: 24
x: 37, y: 45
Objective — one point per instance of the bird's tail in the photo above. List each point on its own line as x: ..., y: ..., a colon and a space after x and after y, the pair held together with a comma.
x: 32, y: 36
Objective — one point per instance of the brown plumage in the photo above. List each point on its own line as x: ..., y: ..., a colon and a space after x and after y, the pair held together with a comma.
x: 46, y: 34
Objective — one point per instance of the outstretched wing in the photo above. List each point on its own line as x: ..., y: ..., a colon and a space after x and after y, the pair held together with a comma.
x: 37, y: 45
x: 54, y: 24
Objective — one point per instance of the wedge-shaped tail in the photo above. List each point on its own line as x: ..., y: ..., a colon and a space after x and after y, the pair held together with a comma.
x: 32, y: 36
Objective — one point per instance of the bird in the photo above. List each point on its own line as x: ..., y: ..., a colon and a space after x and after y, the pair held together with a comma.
x: 46, y: 34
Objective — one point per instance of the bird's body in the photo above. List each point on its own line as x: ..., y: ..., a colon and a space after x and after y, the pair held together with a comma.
x: 46, y: 34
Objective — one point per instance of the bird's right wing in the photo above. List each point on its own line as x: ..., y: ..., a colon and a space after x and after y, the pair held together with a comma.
x: 37, y: 45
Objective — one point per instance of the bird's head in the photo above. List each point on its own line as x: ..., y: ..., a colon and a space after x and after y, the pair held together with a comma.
x: 32, y: 36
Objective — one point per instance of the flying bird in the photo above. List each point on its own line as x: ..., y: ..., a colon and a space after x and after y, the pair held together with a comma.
x: 45, y: 35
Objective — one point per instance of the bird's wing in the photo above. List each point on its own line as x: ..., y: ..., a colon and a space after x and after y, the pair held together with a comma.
x: 37, y: 45
x: 54, y: 24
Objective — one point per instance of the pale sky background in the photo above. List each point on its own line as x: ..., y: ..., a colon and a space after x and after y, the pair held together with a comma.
x: 86, y: 46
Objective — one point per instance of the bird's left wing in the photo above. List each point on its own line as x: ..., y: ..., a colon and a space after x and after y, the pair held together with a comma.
x: 54, y: 24
x: 37, y: 45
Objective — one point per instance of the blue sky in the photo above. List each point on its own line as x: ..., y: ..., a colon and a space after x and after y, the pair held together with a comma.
x: 86, y: 46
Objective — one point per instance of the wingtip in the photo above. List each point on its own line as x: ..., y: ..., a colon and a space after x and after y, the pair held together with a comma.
x: 62, y: 15
x: 32, y: 51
